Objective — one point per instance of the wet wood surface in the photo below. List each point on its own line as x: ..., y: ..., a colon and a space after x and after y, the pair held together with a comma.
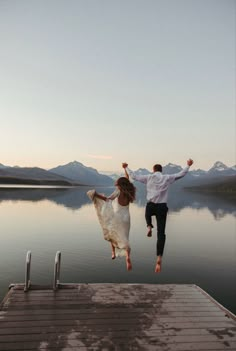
x: 115, y: 317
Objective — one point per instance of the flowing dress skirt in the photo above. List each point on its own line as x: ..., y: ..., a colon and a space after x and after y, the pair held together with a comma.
x: 115, y: 222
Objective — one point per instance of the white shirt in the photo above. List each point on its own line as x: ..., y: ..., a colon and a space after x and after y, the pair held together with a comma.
x: 157, y: 184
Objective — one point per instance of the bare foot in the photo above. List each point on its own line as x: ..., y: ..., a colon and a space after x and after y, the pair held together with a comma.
x: 128, y: 264
x: 113, y: 251
x: 149, y: 233
x: 158, y: 266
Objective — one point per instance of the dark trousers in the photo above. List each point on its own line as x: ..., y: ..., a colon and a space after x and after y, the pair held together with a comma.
x: 160, y: 212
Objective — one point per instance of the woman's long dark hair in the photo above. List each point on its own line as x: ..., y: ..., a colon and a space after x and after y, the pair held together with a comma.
x: 127, y: 188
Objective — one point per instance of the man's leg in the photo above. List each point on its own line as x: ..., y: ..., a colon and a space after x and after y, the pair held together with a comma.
x: 148, y: 216
x: 161, y: 215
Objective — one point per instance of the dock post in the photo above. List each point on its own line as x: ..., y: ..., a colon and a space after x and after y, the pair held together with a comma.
x: 27, y: 271
x: 57, y: 268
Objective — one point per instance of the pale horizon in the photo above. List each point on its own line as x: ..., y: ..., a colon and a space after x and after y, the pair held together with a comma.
x: 141, y: 81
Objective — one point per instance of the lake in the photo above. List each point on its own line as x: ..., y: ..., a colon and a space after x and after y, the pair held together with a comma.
x: 200, y: 245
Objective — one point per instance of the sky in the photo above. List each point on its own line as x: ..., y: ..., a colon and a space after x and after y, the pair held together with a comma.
x: 107, y: 81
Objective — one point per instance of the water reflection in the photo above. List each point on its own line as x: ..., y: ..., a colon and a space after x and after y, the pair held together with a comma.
x: 200, y: 234
x: 75, y: 198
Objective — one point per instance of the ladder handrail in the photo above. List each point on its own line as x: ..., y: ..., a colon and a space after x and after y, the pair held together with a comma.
x: 57, y: 268
x: 27, y: 271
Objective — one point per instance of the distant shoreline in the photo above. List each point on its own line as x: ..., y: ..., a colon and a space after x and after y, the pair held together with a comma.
x: 226, y: 193
x: 21, y: 181
x: 14, y: 181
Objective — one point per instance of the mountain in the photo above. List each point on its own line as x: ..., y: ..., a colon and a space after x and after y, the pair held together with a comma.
x: 80, y: 173
x: 198, y: 172
x: 196, y: 178
x: 220, y: 169
x: 171, y: 169
x: 115, y: 176
x: 168, y: 169
x: 31, y: 175
x: 142, y: 171
x: 75, y: 173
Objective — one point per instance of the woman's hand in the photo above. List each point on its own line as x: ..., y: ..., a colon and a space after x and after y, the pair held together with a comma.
x: 124, y: 164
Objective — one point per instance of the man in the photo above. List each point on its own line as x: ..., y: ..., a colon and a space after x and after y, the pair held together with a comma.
x: 157, y: 185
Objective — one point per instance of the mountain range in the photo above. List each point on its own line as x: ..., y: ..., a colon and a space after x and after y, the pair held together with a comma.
x: 218, y: 169
x: 75, y: 173
x: 71, y: 174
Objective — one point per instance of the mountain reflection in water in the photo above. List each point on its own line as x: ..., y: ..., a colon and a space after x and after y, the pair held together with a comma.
x: 75, y: 198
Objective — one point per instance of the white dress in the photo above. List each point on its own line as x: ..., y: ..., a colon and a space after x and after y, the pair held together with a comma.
x: 114, y: 220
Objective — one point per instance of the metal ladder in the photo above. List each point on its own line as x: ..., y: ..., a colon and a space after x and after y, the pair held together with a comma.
x: 56, y: 277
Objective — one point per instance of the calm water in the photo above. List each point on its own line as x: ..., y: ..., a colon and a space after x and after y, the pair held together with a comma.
x: 200, y: 246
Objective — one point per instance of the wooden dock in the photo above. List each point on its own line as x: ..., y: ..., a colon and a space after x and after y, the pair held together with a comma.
x: 115, y: 317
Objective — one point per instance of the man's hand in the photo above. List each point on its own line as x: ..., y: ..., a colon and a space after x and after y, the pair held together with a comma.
x: 190, y: 162
x: 124, y: 164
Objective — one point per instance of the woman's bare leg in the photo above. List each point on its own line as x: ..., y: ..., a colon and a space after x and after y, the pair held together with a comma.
x: 128, y: 260
x: 113, y: 252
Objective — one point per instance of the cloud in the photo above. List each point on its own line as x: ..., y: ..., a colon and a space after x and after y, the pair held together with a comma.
x: 100, y: 157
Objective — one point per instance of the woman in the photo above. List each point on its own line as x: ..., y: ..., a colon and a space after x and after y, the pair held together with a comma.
x: 114, y: 217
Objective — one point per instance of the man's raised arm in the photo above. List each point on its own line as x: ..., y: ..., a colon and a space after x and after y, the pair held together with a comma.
x: 182, y: 173
x: 140, y: 178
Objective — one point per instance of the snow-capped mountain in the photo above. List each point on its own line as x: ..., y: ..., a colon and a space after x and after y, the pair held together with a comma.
x: 171, y: 169
x: 142, y: 171
x: 195, y: 177
x: 115, y: 176
x: 168, y: 169
x: 218, y: 166
x: 85, y: 175
x: 219, y: 169
x: 198, y: 172
x: 76, y: 172
x: 72, y: 173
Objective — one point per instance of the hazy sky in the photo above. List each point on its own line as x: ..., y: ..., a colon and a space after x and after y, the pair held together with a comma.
x: 106, y: 81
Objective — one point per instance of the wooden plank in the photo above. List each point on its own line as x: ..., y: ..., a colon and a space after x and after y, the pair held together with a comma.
x: 219, y: 332
x: 22, y: 314
x: 115, y: 316
x: 93, y: 305
x: 151, y: 296
x: 174, y: 297
x: 104, y: 344
x: 86, y: 304
x: 105, y: 286
x: 57, y: 307
x: 122, y: 326
x: 120, y: 322
x: 120, y: 337
x: 110, y: 316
